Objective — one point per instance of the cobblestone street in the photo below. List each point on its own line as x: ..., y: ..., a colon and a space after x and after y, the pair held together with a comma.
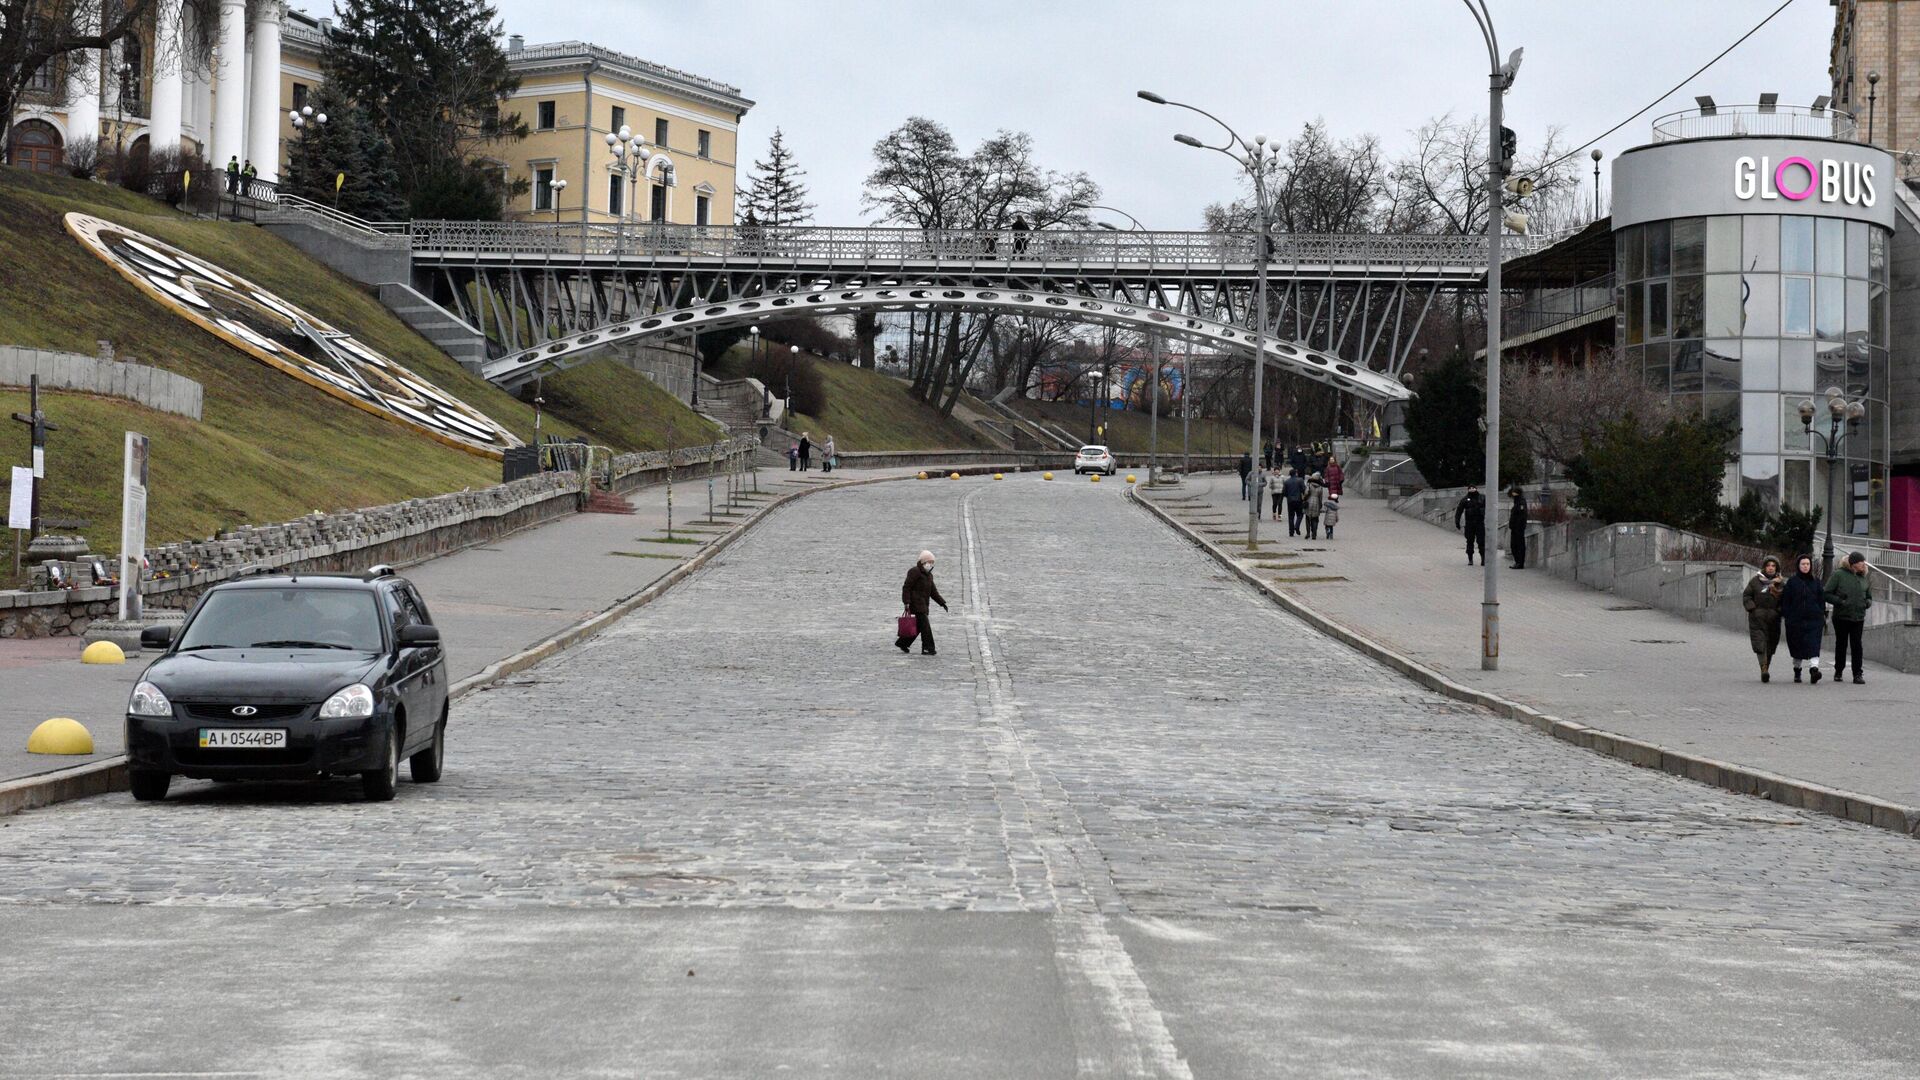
x: 1133, y: 820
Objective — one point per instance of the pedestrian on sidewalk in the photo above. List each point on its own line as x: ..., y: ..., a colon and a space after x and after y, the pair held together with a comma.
x: 1336, y: 478
x: 1847, y: 591
x: 1246, y: 474
x: 793, y: 457
x: 1803, y: 614
x: 1470, y: 517
x: 827, y: 455
x: 1761, y: 598
x: 1274, y: 483
x: 1331, y: 515
x: 1295, y: 489
x: 1314, y: 505
x: 918, y: 590
x: 806, y: 452
x: 1517, y: 529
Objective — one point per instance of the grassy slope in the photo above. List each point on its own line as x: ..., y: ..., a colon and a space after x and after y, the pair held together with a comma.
x: 270, y: 447
x: 1130, y: 431
x: 869, y: 411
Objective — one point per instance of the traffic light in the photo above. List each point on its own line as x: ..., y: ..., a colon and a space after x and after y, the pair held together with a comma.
x: 1509, y: 146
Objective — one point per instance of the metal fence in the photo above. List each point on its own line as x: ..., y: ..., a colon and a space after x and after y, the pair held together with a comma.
x: 1783, y: 120
x: 1546, y: 309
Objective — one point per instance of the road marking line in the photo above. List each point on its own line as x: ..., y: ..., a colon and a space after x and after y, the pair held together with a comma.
x: 1118, y: 1031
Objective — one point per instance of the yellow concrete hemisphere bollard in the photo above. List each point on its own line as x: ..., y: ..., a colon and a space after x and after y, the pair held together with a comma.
x: 1095, y: 478
x: 1046, y: 476
x: 923, y: 476
x: 103, y: 652
x: 997, y: 476
x: 953, y: 476
x: 1129, y: 478
x: 60, y: 735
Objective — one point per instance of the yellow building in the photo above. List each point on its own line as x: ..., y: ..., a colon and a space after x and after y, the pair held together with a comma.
x: 572, y: 94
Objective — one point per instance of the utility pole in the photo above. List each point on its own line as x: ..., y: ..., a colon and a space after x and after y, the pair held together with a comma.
x: 37, y: 425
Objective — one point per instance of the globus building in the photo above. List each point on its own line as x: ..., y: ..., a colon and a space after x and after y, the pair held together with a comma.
x: 1757, y: 259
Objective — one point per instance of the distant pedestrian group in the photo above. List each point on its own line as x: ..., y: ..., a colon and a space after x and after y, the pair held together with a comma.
x: 800, y: 454
x: 1794, y: 607
x: 1307, y: 501
x: 1470, y: 519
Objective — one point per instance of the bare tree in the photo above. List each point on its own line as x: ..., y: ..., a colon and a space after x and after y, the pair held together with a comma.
x: 1560, y: 407
x: 42, y: 36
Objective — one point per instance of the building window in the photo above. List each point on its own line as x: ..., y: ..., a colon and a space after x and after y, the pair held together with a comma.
x: 490, y: 120
x: 300, y: 91
x: 700, y: 209
x: 658, y: 212
x: 1796, y: 306
x: 41, y: 81
x: 660, y: 131
x: 543, y: 188
x: 132, y: 67
x: 706, y: 144
x: 619, y: 118
x: 616, y: 195
x: 546, y: 115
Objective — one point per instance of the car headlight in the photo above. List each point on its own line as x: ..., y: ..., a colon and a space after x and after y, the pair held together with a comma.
x: 147, y: 700
x: 354, y: 702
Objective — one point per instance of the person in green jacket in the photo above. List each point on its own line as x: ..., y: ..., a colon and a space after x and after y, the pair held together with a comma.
x: 1850, y: 598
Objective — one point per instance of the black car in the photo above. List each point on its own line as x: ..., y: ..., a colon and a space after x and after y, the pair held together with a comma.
x: 291, y: 677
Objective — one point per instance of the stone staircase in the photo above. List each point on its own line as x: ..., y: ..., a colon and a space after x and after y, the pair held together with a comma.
x: 453, y: 335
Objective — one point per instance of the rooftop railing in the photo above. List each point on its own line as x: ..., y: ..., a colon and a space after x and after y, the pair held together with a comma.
x: 1794, y: 121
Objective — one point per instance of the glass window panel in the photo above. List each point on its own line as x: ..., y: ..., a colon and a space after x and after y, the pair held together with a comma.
x: 1793, y: 433
x: 1877, y: 315
x: 1689, y: 318
x: 1658, y: 375
x: 1877, y: 254
x: 1877, y: 516
x: 1877, y: 417
x: 1687, y: 375
x: 1637, y: 252
x: 1796, y: 366
x: 1759, y: 423
x: 1796, y: 245
x: 1722, y: 368
x: 1830, y: 246
x: 1657, y: 309
x: 1724, y: 409
x: 1829, y: 307
x: 1796, y: 305
x: 1659, y: 249
x: 1622, y: 265
x: 1636, y: 314
x: 1722, y: 307
x: 1762, y: 305
x: 1689, y: 245
x: 1723, y: 244
x: 1760, y: 243
x: 1854, y: 501
x: 1795, y: 483
x: 1877, y: 375
x: 1859, y: 371
x: 1829, y: 364
x: 1760, y: 474
x: 1857, y: 249
x: 1857, y: 324
x: 1760, y: 361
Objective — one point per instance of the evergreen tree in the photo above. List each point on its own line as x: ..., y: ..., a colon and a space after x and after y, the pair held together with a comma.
x: 1671, y: 476
x: 1444, y: 437
x: 775, y: 196
x: 346, y: 145
x: 431, y: 76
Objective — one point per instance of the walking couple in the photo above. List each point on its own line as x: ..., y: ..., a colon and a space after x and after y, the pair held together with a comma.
x: 1797, y: 604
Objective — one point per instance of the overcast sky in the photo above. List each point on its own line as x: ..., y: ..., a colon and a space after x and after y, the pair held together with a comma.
x: 836, y: 75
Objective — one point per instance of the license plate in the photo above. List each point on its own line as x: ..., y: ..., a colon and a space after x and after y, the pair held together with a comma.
x: 243, y: 738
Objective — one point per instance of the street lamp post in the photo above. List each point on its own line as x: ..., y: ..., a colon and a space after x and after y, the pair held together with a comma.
x: 1596, y: 183
x: 1841, y: 412
x: 753, y: 351
x: 793, y: 357
x: 1499, y: 79
x: 1256, y: 158
x: 557, y: 188
x: 1873, y: 91
x: 630, y: 157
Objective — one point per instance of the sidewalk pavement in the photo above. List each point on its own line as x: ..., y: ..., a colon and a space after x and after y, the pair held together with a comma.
x: 1577, y: 653
x: 489, y: 602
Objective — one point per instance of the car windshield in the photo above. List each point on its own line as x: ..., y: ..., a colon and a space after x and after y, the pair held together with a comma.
x: 285, y: 618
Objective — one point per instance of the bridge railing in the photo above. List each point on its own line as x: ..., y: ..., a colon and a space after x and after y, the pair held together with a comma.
x: 897, y: 246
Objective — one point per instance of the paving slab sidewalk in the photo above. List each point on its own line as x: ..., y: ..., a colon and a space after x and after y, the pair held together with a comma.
x: 1577, y: 653
x: 490, y: 602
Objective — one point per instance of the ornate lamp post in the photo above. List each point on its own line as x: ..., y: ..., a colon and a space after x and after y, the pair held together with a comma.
x: 1873, y: 92
x: 1596, y: 183
x: 557, y: 187
x: 630, y: 157
x: 1842, y: 413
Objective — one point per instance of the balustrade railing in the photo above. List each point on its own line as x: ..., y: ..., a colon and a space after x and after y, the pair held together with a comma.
x: 1546, y: 309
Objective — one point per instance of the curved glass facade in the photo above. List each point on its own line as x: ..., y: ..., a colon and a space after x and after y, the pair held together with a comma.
x: 1741, y: 318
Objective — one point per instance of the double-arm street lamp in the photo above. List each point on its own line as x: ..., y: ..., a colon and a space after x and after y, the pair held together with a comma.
x: 630, y: 157
x: 1842, y: 414
x: 1499, y: 162
x: 1257, y: 159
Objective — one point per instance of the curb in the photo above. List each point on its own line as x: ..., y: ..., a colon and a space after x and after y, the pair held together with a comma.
x: 1743, y: 779
x: 110, y: 774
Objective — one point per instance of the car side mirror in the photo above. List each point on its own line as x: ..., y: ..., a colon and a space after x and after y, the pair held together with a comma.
x: 156, y: 637
x: 419, y: 636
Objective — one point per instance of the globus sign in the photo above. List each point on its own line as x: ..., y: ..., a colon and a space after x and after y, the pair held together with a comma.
x: 1797, y: 179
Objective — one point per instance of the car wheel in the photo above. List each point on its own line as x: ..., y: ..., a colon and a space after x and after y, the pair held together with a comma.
x: 378, y: 784
x: 147, y: 785
x: 425, y: 765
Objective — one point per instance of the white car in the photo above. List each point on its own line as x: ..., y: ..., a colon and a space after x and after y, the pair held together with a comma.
x: 1094, y: 459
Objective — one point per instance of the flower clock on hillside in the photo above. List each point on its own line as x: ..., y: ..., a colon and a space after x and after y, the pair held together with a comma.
x: 287, y: 337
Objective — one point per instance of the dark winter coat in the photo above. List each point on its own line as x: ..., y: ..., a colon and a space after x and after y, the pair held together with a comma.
x: 1803, y: 610
x: 1294, y: 489
x: 1762, y: 601
x: 1472, y: 512
x: 1848, y: 593
x: 1246, y: 465
x: 1517, y: 517
x: 919, y: 589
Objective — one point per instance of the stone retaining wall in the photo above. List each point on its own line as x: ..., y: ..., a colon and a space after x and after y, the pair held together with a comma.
x: 150, y: 386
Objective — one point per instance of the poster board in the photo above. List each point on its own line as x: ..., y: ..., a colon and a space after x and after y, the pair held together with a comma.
x: 133, y: 525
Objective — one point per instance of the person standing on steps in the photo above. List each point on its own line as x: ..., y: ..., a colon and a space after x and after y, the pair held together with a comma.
x: 1246, y: 473
x: 1517, y: 529
x: 1295, y: 489
x: 1761, y: 598
x: 233, y: 175
x: 1803, y: 615
x: 1847, y: 591
x: 915, y: 594
x: 806, y: 452
x: 1470, y: 517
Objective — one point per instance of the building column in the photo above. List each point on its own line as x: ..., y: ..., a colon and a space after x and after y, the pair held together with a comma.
x: 263, y: 111
x: 169, y: 82
x: 229, y: 92
x: 83, y: 85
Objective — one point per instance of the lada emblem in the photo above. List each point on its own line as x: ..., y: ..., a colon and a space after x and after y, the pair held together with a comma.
x: 244, y: 710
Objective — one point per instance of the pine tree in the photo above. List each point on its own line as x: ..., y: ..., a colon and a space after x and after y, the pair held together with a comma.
x: 775, y: 196
x: 346, y: 145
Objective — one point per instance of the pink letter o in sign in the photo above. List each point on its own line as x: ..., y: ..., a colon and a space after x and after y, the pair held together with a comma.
x: 1780, y: 181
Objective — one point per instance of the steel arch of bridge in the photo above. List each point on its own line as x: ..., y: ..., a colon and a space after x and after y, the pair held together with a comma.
x: 520, y: 367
